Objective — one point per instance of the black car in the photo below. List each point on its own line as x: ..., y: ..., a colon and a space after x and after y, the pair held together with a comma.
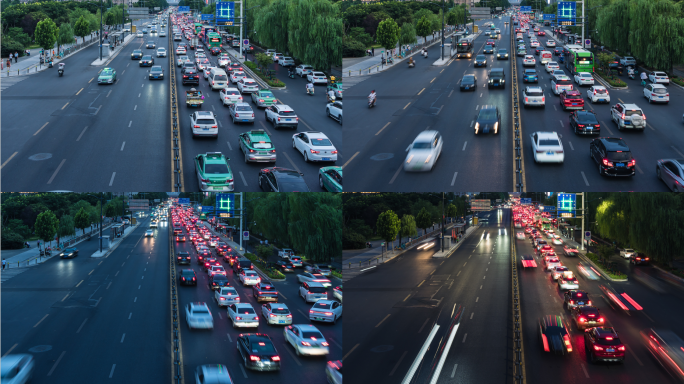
x: 497, y: 78
x: 612, y: 156
x: 480, y: 61
x: 575, y: 298
x: 215, y: 51
x: 538, y: 50
x: 488, y: 120
x: 69, y: 253
x: 157, y: 72
x: 284, y: 265
x: 241, y: 263
x: 557, y: 51
x: 265, y: 291
x: 553, y: 335
x: 137, y: 54
x: 639, y: 259
x: 183, y: 258
x: 187, y: 277
x: 468, y: 83
x: 188, y: 65
x: 258, y: 352
x: 488, y: 49
x: 217, y: 281
x: 502, y: 54
x: 150, y: 45
x: 584, y: 122
x: 277, y: 179
x: 146, y: 61
x: 586, y: 316
x: 191, y: 76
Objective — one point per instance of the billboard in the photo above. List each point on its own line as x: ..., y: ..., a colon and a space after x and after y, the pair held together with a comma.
x: 567, y: 203
x: 567, y: 11
x: 138, y: 204
x: 225, y: 13
x: 480, y: 205
x: 225, y: 204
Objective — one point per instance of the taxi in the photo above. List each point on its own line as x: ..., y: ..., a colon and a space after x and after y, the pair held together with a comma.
x: 256, y: 145
x: 213, y: 172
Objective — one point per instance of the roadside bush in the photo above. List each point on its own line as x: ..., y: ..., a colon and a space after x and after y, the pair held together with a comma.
x: 678, y: 80
x: 352, y: 48
x: 11, y: 46
x: 11, y: 240
x: 352, y: 240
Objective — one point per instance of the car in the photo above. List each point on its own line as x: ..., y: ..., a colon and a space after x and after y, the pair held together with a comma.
x: 230, y: 96
x: 628, y: 116
x: 520, y: 235
x: 150, y: 45
x: 215, y: 51
x: 584, y: 78
x: 671, y: 172
x: 318, y: 268
x: 613, y: 157
x: 210, y: 262
x: 107, y: 76
x: 256, y: 145
x: 553, y: 335
x: 667, y: 348
x: 281, y: 116
x: 502, y: 54
x: 533, y: 96
x: 423, y: 152
x: 488, y: 49
x: 529, y: 61
x: 69, y: 253
x: 235, y: 76
x: 286, y: 61
x: 306, y: 339
x: 186, y: 276
x: 241, y: 113
x: 490, y: 42
x: 567, y: 281
x: 544, y: 250
x: 556, y: 72
x: 551, y: 261
x: 264, y: 291
x: 488, y: 119
x: 314, y: 146
x: 336, y: 87
x: 242, y: 315
x: 216, y: 270
x: 570, y: 251
x: 330, y: 179
x: 559, y: 271
x: 203, y: 64
x: 176, y: 37
x: 278, y: 179
x: 584, y: 122
x: 551, y: 66
x: 317, y: 78
x: 326, y: 311
x: 496, y: 78
x: 550, y: 43
x: 247, y: 85
x: 571, y: 99
x: 530, y: 76
x: 487, y: 32
x: 233, y: 67
x: 541, y: 33
x: 263, y: 98
x: 639, y: 259
x: 17, y: 368
x: 284, y: 266
x: 207, y: 72
x: 137, y: 54
x: 197, y: 315
x: 334, y: 111
x: 534, y: 43
x: 604, y: 344
x: 547, y: 147
x: 144, y: 30
x: 139, y: 34
x: 297, y: 260
x: 480, y: 61
x: 468, y: 82
x: 156, y: 72
x: 161, y: 52
x: 557, y: 240
x: 225, y: 296
x: 248, y: 277
x: 276, y: 57
x: 276, y: 313
x: 146, y: 61
x: 223, y: 60
x: 190, y: 76
x: 203, y: 123
x: 656, y: 93
x: 659, y: 78
x: 181, y: 60
x: 538, y: 50
x: 188, y: 64
x: 258, y: 352
x: 560, y: 84
x: 213, y: 172
x: 313, y: 277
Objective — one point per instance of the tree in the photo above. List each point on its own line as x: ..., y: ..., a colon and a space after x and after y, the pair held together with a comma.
x: 82, y: 219
x: 452, y: 17
x: 66, y: 227
x: 46, y: 34
x: 388, y: 226
x: 264, y: 251
x: 408, y: 34
x: 408, y: 227
x: 82, y: 28
x: 314, y: 33
x: 46, y: 226
x: 423, y: 27
x: 263, y: 60
x: 65, y: 35
x: 451, y: 210
x: 424, y: 220
x: 388, y: 34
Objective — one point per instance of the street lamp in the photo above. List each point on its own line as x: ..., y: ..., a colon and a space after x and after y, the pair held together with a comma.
x: 101, y: 198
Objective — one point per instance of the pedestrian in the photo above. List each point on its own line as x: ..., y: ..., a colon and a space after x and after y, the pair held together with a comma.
x: 9, y: 61
x: 4, y: 263
x: 373, y: 51
x: 16, y: 56
x: 38, y: 243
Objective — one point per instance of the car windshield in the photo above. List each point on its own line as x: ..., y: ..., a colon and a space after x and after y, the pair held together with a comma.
x: 321, y: 142
x: 573, y: 96
x: 468, y: 79
x: 206, y: 121
x: 620, y: 156
x: 530, y: 72
x: 563, y: 82
x: 317, y: 289
x: 246, y: 310
x: 292, y: 185
x: 312, y: 334
x: 320, y: 305
x: 156, y: 69
x: 319, y: 74
x: 216, y: 169
x: 200, y: 311
x: 548, y: 142
x: 534, y: 92
x: 220, y: 278
x: 422, y: 145
x: 262, y: 145
x: 630, y: 113
x: 243, y: 108
x: 612, y: 341
x: 661, y: 91
x: 187, y: 273
x: 487, y: 114
x: 480, y: 57
x: 232, y: 93
x: 286, y: 113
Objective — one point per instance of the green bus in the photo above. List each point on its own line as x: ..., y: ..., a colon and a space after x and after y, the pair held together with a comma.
x: 579, y: 60
x: 203, y: 216
x: 198, y: 28
x: 212, y: 40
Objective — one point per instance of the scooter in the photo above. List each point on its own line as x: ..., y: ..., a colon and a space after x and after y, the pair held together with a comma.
x: 371, y: 103
x: 412, y: 64
x: 61, y: 69
x: 330, y: 99
x: 291, y: 75
x: 631, y: 73
x: 310, y: 91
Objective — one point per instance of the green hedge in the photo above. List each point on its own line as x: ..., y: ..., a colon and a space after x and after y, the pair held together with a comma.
x: 272, y: 83
x: 611, y: 79
x: 336, y: 273
x: 613, y: 274
x: 678, y: 80
x: 270, y: 272
x: 12, y: 240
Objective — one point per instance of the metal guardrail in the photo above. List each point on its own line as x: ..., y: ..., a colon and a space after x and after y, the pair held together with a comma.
x: 518, y: 176
x: 176, y: 179
x: 518, y: 351
x: 175, y: 315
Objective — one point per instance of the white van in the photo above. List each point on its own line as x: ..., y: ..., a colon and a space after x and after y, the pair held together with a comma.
x: 218, y: 79
x: 545, y: 57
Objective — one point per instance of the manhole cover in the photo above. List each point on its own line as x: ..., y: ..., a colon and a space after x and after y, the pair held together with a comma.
x: 41, y: 156
x: 382, y: 348
x: 41, y: 348
x: 382, y: 156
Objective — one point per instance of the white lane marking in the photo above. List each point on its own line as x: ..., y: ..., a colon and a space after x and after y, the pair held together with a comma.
x: 243, y: 178
x: 56, y: 170
x: 109, y: 93
x: 584, y: 368
x: 585, y: 179
x: 139, y: 94
x: 112, y: 372
x: 464, y: 337
x: 229, y: 338
x: 136, y: 107
x: 464, y: 145
x: 398, y: 362
x: 639, y: 169
x: 82, y: 324
x: 123, y: 337
x: 129, y: 315
x: 472, y: 123
x: 130, y: 123
x: 477, y: 299
x: 561, y: 121
x: 554, y: 107
x: 454, y: 179
x: 242, y: 368
x: 571, y: 147
x: 454, y: 371
x: 56, y: 362
x: 471, y: 315
x: 480, y: 287
x: 220, y: 123
x: 397, y: 173
x: 419, y: 357
x: 676, y: 150
x: 112, y: 179
x: 228, y: 142
x: 82, y: 132
x: 10, y: 350
x: 122, y: 145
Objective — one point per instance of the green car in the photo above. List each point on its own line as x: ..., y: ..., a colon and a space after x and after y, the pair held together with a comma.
x: 337, y: 88
x: 330, y: 178
x: 257, y: 146
x: 522, y: 52
x: 107, y: 76
x: 213, y: 172
x: 263, y: 98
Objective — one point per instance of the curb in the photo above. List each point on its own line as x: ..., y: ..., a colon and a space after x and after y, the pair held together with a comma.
x: 603, y: 274
x: 670, y: 277
x: 455, y: 247
x: 111, y: 249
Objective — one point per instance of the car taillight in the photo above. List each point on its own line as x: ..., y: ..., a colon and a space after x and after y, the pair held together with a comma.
x: 325, y: 344
x: 621, y: 348
x: 289, y: 316
x: 312, y: 151
x: 306, y: 343
x: 566, y: 340
x: 254, y: 358
x: 597, y: 348
x: 607, y: 163
x: 631, y: 163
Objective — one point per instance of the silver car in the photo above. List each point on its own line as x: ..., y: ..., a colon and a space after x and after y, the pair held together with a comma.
x: 241, y: 113
x: 226, y: 296
x: 242, y: 315
x: 286, y: 62
x: 198, y: 315
x: 671, y: 172
x: 423, y: 152
x: 161, y: 52
x: 276, y: 313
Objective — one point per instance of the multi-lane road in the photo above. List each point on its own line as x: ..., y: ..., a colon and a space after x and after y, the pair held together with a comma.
x: 69, y: 133
x: 427, y: 97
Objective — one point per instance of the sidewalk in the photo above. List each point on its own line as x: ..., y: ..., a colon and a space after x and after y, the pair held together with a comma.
x: 454, y: 245
x: 113, y: 244
x: 112, y: 53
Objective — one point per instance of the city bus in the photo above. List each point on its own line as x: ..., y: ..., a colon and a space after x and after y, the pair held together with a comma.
x: 198, y: 28
x: 212, y: 40
x: 464, y: 48
x: 579, y: 60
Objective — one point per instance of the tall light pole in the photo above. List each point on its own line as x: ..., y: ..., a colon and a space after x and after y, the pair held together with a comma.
x: 101, y: 39
x: 101, y: 198
x: 442, y: 55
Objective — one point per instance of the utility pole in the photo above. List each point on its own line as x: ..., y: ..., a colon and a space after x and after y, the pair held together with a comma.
x: 442, y: 55
x: 582, y: 234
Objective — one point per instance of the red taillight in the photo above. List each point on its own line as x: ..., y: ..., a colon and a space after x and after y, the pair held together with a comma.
x: 306, y: 343
x: 566, y: 340
x: 607, y: 163
x: 312, y: 151
x: 254, y: 358
x: 597, y: 348
x: 582, y: 320
x: 631, y: 163
x: 275, y: 358
x: 621, y: 348
x: 325, y: 344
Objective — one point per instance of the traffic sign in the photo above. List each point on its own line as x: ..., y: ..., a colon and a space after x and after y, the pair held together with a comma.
x: 549, y: 16
x: 245, y: 235
x: 587, y: 235
x: 567, y: 12
x: 184, y: 9
x: 225, y: 11
x: 206, y: 16
x: 587, y: 43
x: 245, y: 42
x: 526, y: 9
x: 184, y: 200
x: 525, y: 200
x: 225, y: 204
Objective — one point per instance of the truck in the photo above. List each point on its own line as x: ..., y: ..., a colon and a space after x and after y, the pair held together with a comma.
x: 285, y: 253
x: 193, y: 42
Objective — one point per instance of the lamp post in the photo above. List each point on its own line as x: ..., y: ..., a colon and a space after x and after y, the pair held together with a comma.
x: 583, y: 215
x: 101, y: 198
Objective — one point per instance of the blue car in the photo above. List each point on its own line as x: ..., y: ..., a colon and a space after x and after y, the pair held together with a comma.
x: 530, y: 76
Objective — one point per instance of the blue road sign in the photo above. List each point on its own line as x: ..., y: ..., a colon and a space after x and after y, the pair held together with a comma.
x: 525, y: 200
x: 184, y: 200
x: 225, y: 203
x: 205, y: 16
x: 206, y: 208
x: 567, y: 203
x: 567, y: 12
x: 184, y: 9
x: 526, y: 9
x: 549, y: 208
x: 225, y: 11
x: 549, y: 16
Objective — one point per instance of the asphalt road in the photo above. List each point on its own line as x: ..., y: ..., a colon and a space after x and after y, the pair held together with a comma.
x: 392, y: 311
x: 91, y: 320
x: 217, y: 346
x: 411, y: 100
x: 540, y: 296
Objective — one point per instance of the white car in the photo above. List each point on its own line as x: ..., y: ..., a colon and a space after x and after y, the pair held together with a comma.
x: 627, y: 253
x: 534, y: 43
x: 552, y: 262
x: 286, y: 61
x: 216, y: 270
x: 598, y: 93
x: 560, y: 84
x: 317, y: 78
x: 315, y: 277
x: 230, y: 96
x: 223, y: 60
x: 314, y: 146
x: 17, y: 369
x: 203, y: 123
x: 656, y: 93
x: 180, y: 51
x: 198, y: 315
x: 550, y: 43
x: 488, y: 32
x: 547, y: 147
x: 303, y: 70
x: 559, y: 271
x: 659, y: 77
x: 276, y: 313
x: 529, y: 61
x: 242, y: 315
x: 306, y: 339
x: 139, y: 34
x: 225, y: 296
x: 161, y: 52
x: 551, y: 66
x: 276, y: 57
x: 337, y: 293
x: 423, y: 152
x: 149, y: 232
x: 334, y: 110
x: 584, y: 78
x: 568, y: 281
x: 534, y: 96
x: 181, y: 60
x: 520, y: 235
x: 270, y: 52
x: 326, y: 311
x: 247, y: 85
x: 249, y: 277
x: 236, y: 76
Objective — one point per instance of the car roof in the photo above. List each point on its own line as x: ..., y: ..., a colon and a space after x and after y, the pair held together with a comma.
x: 605, y: 331
x: 614, y: 144
x: 632, y: 107
x: 198, y: 305
x: 216, y: 374
x: 552, y: 321
x: 658, y: 86
x: 531, y: 71
x: 426, y: 136
x: 538, y: 89
x: 205, y: 114
x: 243, y: 305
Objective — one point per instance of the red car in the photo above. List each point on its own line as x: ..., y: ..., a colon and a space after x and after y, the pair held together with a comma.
x: 541, y: 33
x: 571, y: 99
x: 491, y: 42
x: 180, y: 238
x: 586, y: 317
x: 603, y: 344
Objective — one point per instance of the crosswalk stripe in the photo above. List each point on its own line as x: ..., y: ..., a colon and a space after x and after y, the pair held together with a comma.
x: 7, y: 82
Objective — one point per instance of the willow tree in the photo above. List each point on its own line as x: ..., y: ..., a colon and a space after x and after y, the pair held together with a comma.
x: 315, y: 224
x: 315, y: 32
x: 272, y: 23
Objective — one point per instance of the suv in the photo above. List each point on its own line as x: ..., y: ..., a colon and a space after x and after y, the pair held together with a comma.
x: 571, y: 99
x: 312, y: 291
x: 183, y: 258
x: 242, y: 263
x: 656, y: 92
x: 277, y: 179
x: 497, y: 78
x: 265, y: 291
x: 533, y: 96
x: 560, y: 84
x: 671, y: 172
x: 576, y: 298
x: 612, y: 156
x: 282, y: 115
x: 256, y: 145
x: 585, y: 123
x: 603, y: 343
x: 247, y: 85
x: 628, y: 116
x: 190, y: 75
x: 187, y: 277
x: 203, y: 123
